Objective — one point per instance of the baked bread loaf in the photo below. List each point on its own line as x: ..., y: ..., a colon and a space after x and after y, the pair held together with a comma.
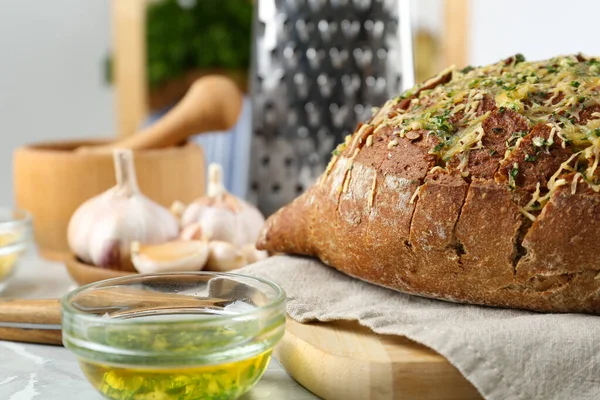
x: 478, y: 186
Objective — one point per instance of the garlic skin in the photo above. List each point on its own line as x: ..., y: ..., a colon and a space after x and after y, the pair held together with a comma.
x: 102, y: 229
x: 215, y: 223
x: 192, y: 232
x: 224, y: 257
x: 173, y: 256
x: 222, y: 216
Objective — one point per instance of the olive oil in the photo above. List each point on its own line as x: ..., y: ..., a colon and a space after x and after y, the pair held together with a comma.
x: 226, y: 381
x: 185, y: 336
x: 8, y: 261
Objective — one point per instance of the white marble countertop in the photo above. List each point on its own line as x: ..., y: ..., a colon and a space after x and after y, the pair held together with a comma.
x: 39, y: 372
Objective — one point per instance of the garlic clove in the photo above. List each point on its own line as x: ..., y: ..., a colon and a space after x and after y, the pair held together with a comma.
x: 192, y: 232
x: 193, y: 213
x: 78, y: 235
x: 216, y: 223
x: 105, y: 246
x: 224, y: 257
x: 252, y: 254
x: 173, y: 256
x: 219, y: 224
x: 250, y: 223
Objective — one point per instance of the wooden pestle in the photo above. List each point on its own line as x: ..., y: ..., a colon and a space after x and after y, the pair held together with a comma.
x: 212, y: 103
x: 47, y: 311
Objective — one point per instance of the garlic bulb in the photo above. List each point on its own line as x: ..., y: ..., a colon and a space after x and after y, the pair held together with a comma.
x: 222, y: 216
x: 101, y: 230
x: 177, y: 255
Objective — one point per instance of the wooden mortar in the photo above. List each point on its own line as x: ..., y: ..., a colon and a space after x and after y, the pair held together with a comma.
x: 51, y: 180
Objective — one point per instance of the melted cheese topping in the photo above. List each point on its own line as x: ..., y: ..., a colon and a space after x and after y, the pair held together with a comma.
x: 559, y: 92
x: 554, y: 92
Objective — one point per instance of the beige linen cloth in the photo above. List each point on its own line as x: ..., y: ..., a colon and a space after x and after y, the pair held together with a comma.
x: 505, y: 354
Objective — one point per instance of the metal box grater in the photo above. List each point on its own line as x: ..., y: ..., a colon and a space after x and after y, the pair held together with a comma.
x: 318, y: 68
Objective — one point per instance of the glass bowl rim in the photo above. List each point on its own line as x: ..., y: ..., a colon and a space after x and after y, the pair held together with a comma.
x: 25, y: 218
x: 280, y: 297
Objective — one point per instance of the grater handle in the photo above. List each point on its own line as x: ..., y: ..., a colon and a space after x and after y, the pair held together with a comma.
x: 212, y: 103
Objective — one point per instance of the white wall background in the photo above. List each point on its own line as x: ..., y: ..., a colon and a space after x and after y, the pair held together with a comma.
x: 51, y: 75
x: 537, y: 28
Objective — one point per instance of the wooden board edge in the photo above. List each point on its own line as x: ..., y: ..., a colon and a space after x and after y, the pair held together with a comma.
x: 331, y: 376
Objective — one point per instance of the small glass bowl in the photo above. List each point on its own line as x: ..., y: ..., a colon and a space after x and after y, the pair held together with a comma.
x: 15, y: 235
x: 187, y: 336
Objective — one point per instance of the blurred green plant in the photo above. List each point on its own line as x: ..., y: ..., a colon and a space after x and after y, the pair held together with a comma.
x: 195, y: 34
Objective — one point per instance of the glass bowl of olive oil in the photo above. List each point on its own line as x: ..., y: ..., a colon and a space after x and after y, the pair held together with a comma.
x: 174, y: 336
x: 15, y: 235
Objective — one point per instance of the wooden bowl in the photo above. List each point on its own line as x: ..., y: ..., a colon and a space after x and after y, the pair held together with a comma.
x: 83, y: 273
x: 51, y: 181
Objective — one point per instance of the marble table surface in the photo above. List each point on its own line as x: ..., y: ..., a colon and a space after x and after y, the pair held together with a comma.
x: 39, y: 372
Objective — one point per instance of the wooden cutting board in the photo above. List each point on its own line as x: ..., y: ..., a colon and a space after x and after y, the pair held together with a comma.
x: 343, y: 360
